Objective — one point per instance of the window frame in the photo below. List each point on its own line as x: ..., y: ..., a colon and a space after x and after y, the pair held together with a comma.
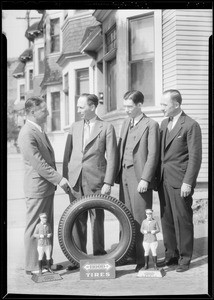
x: 54, y: 35
x: 53, y: 111
x: 158, y: 85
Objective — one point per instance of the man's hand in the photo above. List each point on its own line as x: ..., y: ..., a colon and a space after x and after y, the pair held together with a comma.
x: 145, y: 231
x: 142, y: 186
x: 49, y: 235
x: 185, y: 190
x: 64, y: 184
x: 153, y: 232
x: 106, y: 189
x: 41, y: 236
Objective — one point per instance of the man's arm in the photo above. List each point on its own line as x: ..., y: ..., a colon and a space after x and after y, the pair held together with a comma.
x: 67, y: 154
x: 29, y: 148
x: 194, y: 143
x: 112, y: 159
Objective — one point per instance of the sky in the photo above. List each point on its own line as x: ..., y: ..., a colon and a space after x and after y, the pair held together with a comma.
x: 14, y: 28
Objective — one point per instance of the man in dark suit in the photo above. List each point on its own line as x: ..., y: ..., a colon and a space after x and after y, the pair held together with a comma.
x: 90, y: 161
x: 41, y: 177
x: 138, y: 158
x: 181, y: 154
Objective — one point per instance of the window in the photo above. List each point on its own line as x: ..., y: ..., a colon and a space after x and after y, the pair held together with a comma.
x: 55, y: 35
x: 41, y: 67
x: 82, y: 85
x: 55, y: 111
x: 111, y: 39
x: 141, y: 57
x: 22, y: 92
x: 111, y: 85
x: 66, y: 91
x: 30, y: 79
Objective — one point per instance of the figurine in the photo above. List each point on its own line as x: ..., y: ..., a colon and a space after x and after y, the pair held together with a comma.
x: 149, y: 228
x: 43, y: 233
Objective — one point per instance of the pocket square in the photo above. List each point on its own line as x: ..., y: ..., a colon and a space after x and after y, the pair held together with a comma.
x: 179, y: 136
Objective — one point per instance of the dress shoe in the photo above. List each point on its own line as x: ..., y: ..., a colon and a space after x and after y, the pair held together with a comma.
x: 28, y: 272
x: 182, y: 268
x: 173, y: 261
x: 139, y: 267
x: 55, y: 267
x: 72, y: 267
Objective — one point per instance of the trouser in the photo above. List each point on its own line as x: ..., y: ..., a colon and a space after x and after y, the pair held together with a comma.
x: 153, y: 246
x: 137, y: 203
x: 34, y: 207
x: 177, y: 222
x: 44, y: 249
x: 97, y: 220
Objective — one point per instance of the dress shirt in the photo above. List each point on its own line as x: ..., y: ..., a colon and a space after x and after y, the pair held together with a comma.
x: 36, y: 125
x: 137, y: 119
x: 175, y: 119
x: 88, y: 128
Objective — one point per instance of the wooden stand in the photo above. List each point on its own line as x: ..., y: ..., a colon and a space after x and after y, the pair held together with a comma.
x: 46, y: 277
x: 151, y: 273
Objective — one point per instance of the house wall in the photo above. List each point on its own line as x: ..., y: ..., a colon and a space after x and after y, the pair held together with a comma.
x: 185, y: 66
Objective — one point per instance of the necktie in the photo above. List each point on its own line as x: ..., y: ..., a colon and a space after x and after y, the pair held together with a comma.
x: 170, y: 122
x: 86, y: 136
x: 132, y: 123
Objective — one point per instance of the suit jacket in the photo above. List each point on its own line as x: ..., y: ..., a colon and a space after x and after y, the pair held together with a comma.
x: 98, y: 160
x: 145, y: 151
x: 181, y: 154
x: 40, y: 177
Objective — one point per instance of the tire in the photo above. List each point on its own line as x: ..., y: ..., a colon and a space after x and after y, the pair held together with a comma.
x: 117, y: 208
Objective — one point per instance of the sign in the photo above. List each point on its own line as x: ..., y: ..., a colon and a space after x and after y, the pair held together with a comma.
x: 148, y: 273
x: 97, y: 269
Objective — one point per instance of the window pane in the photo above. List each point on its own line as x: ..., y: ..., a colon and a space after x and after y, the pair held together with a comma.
x: 55, y: 26
x: 41, y: 60
x: 142, y: 79
x: 82, y: 82
x: 111, y: 85
x: 30, y: 79
x: 142, y: 37
x: 111, y: 39
x: 22, y: 92
x: 55, y: 46
x: 55, y: 109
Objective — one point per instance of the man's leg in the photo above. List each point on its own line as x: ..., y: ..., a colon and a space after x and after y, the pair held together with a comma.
x: 97, y: 226
x: 167, y: 221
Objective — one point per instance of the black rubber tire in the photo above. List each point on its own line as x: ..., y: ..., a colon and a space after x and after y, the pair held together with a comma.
x: 116, y: 207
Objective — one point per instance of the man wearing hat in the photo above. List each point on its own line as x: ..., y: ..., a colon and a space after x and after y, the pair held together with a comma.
x: 43, y: 233
x: 150, y: 228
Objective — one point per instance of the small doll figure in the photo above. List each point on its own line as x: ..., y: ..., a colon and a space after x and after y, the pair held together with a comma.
x: 149, y: 228
x: 43, y: 233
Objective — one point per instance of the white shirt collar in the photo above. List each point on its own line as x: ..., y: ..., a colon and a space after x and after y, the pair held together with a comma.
x: 36, y: 125
x: 137, y: 119
x: 175, y: 118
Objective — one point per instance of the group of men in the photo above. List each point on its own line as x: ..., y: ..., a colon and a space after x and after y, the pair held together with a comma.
x: 145, y: 158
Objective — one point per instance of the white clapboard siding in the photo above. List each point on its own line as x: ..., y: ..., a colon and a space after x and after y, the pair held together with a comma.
x: 185, y: 35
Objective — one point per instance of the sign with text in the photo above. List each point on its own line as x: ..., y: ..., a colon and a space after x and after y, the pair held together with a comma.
x: 97, y: 269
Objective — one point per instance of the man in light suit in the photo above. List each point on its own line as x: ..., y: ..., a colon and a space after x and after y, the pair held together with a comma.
x: 138, y: 158
x: 181, y: 154
x: 89, y: 163
x: 41, y: 177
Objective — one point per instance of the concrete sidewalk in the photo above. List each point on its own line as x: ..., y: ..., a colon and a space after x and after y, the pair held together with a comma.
x: 126, y: 283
